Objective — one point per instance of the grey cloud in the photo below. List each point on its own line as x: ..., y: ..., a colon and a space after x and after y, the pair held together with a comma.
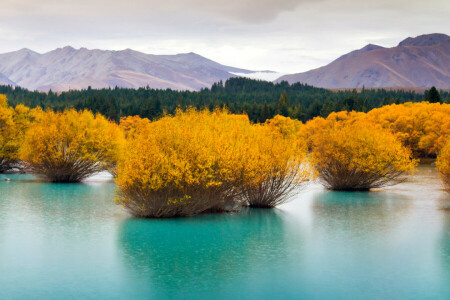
x: 284, y: 35
x: 241, y: 10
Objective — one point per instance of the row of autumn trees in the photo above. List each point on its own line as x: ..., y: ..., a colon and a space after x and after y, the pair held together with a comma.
x: 198, y: 161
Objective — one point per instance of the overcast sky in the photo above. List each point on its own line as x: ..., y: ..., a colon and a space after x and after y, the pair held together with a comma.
x: 281, y: 35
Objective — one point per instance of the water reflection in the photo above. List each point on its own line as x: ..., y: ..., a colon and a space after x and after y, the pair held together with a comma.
x: 72, y: 241
x: 59, y: 203
x: 204, y: 252
x: 365, y: 213
x: 444, y: 251
x: 376, y: 235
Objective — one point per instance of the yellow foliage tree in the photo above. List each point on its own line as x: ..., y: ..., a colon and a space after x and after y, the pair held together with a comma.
x: 284, y: 125
x: 14, y: 122
x: 183, y: 165
x: 359, y: 156
x: 276, y: 163
x: 70, y: 146
x: 201, y: 161
x: 443, y: 164
x: 314, y: 128
x: 7, y: 153
x: 132, y: 125
x: 422, y: 127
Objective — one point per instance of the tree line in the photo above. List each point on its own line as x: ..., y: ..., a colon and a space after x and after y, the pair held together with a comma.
x: 260, y: 100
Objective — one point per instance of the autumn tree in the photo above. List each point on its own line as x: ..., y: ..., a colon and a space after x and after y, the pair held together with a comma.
x: 7, y: 150
x: 132, y: 125
x: 421, y: 127
x: 70, y: 146
x: 184, y: 165
x: 14, y: 122
x: 443, y: 164
x: 359, y: 156
x: 276, y: 163
x: 200, y: 161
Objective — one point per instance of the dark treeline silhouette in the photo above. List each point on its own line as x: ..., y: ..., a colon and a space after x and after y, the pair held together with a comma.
x: 261, y: 100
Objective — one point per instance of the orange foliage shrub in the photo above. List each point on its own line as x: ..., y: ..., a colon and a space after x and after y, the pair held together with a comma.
x: 14, y: 122
x: 132, y: 125
x: 71, y: 146
x: 198, y: 161
x: 443, y: 164
x: 184, y: 165
x: 422, y: 127
x: 277, y: 163
x: 359, y: 156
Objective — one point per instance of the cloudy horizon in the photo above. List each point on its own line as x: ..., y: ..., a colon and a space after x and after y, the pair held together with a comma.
x: 285, y: 36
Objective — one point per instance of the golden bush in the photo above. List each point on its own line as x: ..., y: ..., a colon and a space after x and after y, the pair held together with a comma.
x: 201, y: 161
x: 314, y: 128
x: 443, y: 164
x: 6, y: 128
x: 14, y: 122
x: 184, y: 165
x: 359, y: 156
x: 422, y: 127
x: 276, y: 163
x: 286, y: 126
x: 132, y: 125
x: 70, y: 146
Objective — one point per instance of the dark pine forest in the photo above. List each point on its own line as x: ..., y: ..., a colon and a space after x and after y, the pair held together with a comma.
x: 261, y: 100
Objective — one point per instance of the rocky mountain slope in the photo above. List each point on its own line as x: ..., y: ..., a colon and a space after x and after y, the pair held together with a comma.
x: 68, y: 68
x: 423, y: 61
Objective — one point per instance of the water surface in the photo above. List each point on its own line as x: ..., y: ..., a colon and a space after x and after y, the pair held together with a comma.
x: 63, y: 241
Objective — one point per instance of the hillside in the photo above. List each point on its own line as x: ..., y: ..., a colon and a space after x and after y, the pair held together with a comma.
x: 423, y: 61
x: 68, y: 68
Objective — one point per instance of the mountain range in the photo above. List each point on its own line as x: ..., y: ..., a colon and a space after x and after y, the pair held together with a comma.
x: 423, y: 61
x: 68, y: 68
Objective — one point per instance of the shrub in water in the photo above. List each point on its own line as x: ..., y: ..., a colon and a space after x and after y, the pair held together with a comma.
x: 13, y: 124
x: 443, y: 165
x: 359, y: 156
x: 422, y: 127
x: 185, y: 165
x: 71, y: 146
x: 276, y: 165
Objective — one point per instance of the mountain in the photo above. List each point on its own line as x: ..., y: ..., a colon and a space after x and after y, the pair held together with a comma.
x: 425, y: 40
x: 423, y: 61
x: 68, y: 68
x: 5, y: 80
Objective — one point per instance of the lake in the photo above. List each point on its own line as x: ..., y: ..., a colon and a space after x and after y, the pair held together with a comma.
x: 71, y: 241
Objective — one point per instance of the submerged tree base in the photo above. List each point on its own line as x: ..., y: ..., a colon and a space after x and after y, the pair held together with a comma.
x: 340, y: 177
x: 261, y: 206
x: 172, y: 204
x: 64, y: 172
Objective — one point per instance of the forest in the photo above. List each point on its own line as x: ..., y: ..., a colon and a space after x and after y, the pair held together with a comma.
x: 260, y: 100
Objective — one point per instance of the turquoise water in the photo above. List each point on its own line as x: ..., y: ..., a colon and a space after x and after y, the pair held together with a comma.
x: 60, y: 241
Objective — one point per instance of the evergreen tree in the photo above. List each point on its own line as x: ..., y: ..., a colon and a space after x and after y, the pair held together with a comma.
x: 327, y: 108
x: 265, y: 113
x: 283, y: 105
x: 314, y: 109
x: 433, y: 95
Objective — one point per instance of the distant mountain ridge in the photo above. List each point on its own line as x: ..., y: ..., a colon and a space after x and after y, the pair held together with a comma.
x: 68, y: 68
x: 423, y: 61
